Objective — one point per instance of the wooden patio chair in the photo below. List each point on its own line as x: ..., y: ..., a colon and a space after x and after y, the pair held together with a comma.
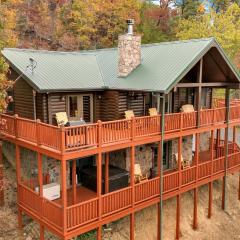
x: 185, y: 163
x: 152, y: 111
x: 61, y: 118
x: 129, y: 114
x: 187, y: 108
x: 138, y: 176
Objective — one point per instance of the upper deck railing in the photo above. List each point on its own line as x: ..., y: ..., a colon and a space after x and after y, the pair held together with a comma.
x: 68, y: 139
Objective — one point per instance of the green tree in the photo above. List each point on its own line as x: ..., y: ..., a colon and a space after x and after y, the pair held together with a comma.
x: 188, y: 8
x: 222, y: 5
x: 225, y: 27
x: 8, y: 38
x: 154, y: 26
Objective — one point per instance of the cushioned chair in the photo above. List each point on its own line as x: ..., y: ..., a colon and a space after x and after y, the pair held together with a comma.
x: 138, y: 174
x: 187, y: 108
x: 153, y: 112
x: 129, y: 114
x: 61, y: 118
x: 185, y: 163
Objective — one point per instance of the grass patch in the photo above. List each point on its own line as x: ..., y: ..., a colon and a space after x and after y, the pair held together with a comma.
x: 92, y: 235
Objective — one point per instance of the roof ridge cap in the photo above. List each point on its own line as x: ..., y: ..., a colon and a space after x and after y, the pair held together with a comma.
x: 94, y: 51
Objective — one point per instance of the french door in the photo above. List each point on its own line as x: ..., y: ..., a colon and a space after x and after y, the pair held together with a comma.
x: 80, y: 107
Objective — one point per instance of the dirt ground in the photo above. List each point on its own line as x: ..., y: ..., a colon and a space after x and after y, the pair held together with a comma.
x: 223, y: 225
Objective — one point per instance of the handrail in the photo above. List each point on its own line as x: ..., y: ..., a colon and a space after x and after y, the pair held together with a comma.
x: 75, y: 138
x: 82, y: 203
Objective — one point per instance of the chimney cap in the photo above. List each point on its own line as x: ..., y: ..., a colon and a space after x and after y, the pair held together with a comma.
x: 130, y: 21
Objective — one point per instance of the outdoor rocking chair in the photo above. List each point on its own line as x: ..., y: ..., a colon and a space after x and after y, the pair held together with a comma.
x: 152, y: 111
x: 138, y: 176
x: 61, y: 118
x: 184, y: 163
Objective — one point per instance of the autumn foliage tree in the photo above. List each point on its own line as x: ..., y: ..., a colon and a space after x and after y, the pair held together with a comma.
x: 95, y: 23
x: 8, y: 37
x: 225, y: 27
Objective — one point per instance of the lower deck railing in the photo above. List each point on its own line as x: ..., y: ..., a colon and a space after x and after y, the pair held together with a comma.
x: 41, y: 207
x: 111, y: 203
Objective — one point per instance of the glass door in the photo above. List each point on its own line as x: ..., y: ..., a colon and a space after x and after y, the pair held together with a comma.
x: 80, y: 107
x: 73, y: 108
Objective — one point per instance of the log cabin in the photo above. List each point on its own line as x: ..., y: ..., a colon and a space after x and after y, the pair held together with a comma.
x: 78, y: 177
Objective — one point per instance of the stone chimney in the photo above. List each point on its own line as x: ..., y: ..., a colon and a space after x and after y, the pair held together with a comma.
x: 129, y: 51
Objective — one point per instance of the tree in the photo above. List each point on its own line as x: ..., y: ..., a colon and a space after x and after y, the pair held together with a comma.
x: 189, y: 8
x: 222, y: 5
x: 96, y: 23
x: 225, y: 27
x: 8, y: 37
x: 155, y: 22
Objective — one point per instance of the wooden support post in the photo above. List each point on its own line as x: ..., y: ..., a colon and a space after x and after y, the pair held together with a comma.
x: 158, y: 221
x: 199, y: 95
x: 132, y: 176
x: 107, y: 173
x: 99, y: 183
x: 132, y: 179
x: 64, y: 193
x: 18, y: 172
x: 159, y: 205
x: 218, y: 138
x: 239, y: 187
x: 99, y: 233
x: 195, y: 211
x: 234, y: 138
x: 18, y: 164
x: 1, y: 177
x: 20, y: 216
x: 40, y: 174
x: 178, y: 217
x: 162, y: 130
x: 178, y: 197
x: 234, y: 133
x: 179, y: 161
x: 195, y: 190
x: 41, y: 232
x: 74, y: 181
x: 210, y: 185
x: 223, y: 193
x: 227, y: 99
x: 132, y: 226
x: 159, y: 159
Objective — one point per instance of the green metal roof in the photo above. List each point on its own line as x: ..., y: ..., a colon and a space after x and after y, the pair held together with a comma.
x: 163, y: 65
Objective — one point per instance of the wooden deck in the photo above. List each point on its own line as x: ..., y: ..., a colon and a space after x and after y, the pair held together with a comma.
x: 68, y: 219
x: 84, y: 213
x: 55, y: 141
x: 82, y: 195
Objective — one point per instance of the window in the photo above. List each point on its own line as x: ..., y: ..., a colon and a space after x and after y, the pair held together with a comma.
x: 80, y: 106
x: 73, y: 107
